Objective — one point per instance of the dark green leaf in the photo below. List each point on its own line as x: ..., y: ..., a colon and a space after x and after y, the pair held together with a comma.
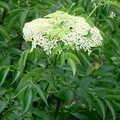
x: 3, y: 105
x: 111, y: 107
x: 58, y: 71
x: 23, y: 17
x: 4, y: 5
x: 102, y: 106
x: 22, y: 61
x: 21, y: 87
x: 67, y: 95
x: 27, y: 98
x: 40, y: 113
x: 4, y: 33
x: 3, y: 74
x: 41, y: 92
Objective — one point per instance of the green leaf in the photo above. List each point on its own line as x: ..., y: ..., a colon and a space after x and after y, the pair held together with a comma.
x: 117, y: 4
x: 102, y: 106
x: 27, y: 98
x: 49, y: 78
x: 4, y: 5
x: 32, y: 74
x: 79, y: 10
x: 108, y: 80
x: 4, y: 61
x: 85, y: 59
x: 3, y: 105
x: 116, y: 42
x: 63, y: 57
x: 39, y: 113
x: 88, y: 98
x: 54, y: 51
x: 23, y: 17
x: 21, y: 87
x: 3, y: 74
x: 17, y: 76
x: 113, y: 97
x: 111, y: 23
x: 67, y: 95
x: 22, y: 61
x: 41, y: 92
x: 111, y: 107
x: 71, y: 55
x: 72, y: 64
x: 58, y: 71
x: 11, y: 22
x: 80, y: 116
x: 4, y: 33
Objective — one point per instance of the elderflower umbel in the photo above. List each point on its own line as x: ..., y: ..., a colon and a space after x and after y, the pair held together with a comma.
x: 60, y: 29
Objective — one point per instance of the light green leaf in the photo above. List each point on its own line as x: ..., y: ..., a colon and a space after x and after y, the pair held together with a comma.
x: 79, y: 9
x: 27, y: 98
x: 71, y: 55
x: 54, y: 51
x: 111, y: 107
x: 41, y: 92
x: 4, y: 5
x: 72, y: 64
x: 117, y: 4
x: 3, y: 74
x: 113, y: 97
x: 63, y: 57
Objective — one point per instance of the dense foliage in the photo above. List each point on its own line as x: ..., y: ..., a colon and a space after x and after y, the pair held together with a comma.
x: 69, y: 86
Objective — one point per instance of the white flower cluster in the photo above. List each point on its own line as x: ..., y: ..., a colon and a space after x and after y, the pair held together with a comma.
x: 71, y: 30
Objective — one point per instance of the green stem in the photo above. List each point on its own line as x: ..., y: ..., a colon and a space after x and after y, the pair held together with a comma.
x: 93, y: 10
x: 57, y: 108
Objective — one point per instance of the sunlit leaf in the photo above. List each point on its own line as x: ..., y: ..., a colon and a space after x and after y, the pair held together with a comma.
x: 72, y: 64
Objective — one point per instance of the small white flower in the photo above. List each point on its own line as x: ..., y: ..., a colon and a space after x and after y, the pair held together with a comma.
x: 74, y: 31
